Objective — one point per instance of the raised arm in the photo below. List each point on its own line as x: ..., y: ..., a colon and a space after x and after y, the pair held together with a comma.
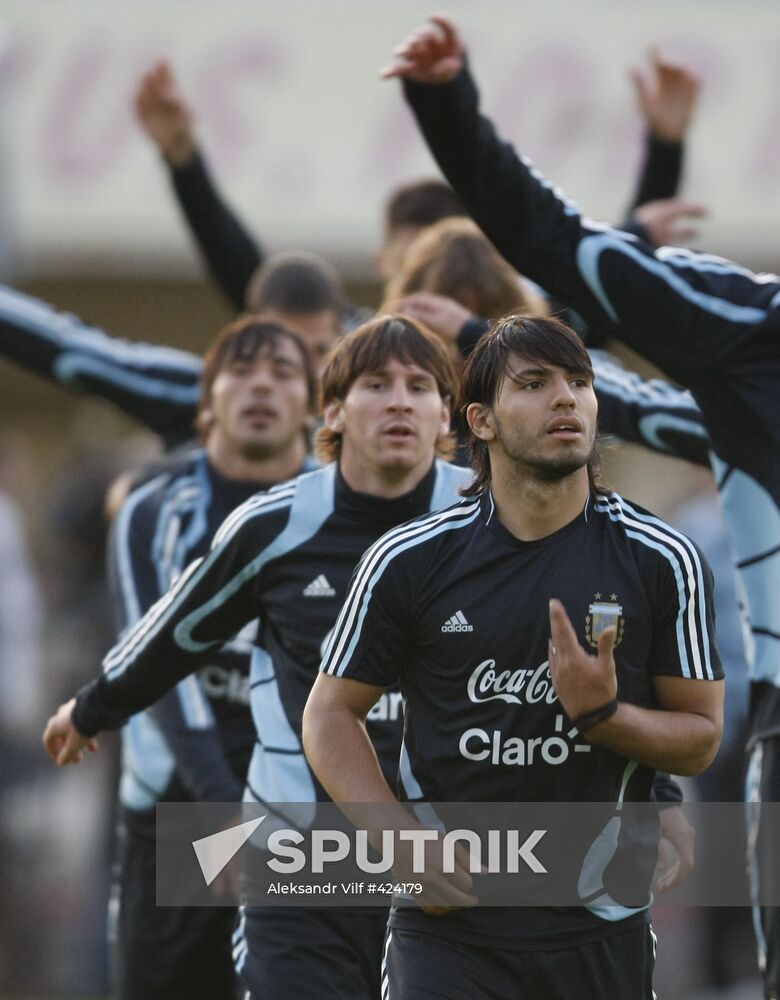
x: 230, y: 253
x: 682, y: 310
x: 666, y: 94
x: 158, y: 386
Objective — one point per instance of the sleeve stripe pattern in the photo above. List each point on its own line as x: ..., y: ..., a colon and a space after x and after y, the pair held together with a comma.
x: 591, y: 248
x: 169, y: 549
x: 71, y: 366
x: 631, y: 387
x: 68, y: 332
x: 125, y: 653
x: 260, y: 503
x: 310, y: 507
x: 692, y: 635
x: 116, y: 661
x: 194, y: 704
x: 346, y: 634
x: 711, y: 263
x: 130, y: 599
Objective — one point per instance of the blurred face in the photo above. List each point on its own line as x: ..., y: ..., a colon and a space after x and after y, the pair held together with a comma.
x: 389, y: 422
x: 543, y: 420
x: 319, y: 330
x: 259, y: 407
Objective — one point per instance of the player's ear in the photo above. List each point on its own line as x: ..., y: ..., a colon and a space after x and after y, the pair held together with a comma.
x: 480, y: 418
x: 446, y: 415
x: 333, y: 416
x: 205, y: 420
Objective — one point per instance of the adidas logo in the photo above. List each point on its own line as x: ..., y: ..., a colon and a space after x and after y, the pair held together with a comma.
x: 319, y: 587
x: 457, y: 623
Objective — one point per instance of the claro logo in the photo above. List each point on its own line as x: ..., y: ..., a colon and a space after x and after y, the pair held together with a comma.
x: 523, y: 686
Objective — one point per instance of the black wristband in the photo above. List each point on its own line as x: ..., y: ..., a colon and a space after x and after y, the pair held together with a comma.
x: 588, y: 720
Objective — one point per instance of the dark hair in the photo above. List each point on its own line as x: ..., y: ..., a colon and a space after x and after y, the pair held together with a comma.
x: 535, y: 338
x: 242, y: 340
x: 297, y: 284
x: 368, y: 349
x: 421, y: 203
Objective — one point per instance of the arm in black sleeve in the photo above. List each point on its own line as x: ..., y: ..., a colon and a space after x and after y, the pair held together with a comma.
x: 231, y: 255
x: 660, y: 174
x: 158, y: 386
x: 183, y: 714
x: 209, y: 604
x: 649, y: 412
x: 674, y: 307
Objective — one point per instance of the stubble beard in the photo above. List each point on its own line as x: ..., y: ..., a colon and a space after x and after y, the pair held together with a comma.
x: 543, y: 469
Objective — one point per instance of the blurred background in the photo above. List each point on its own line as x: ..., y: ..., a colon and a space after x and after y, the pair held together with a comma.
x: 305, y: 142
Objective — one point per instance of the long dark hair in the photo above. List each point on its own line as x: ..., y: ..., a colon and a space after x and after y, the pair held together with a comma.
x: 535, y: 338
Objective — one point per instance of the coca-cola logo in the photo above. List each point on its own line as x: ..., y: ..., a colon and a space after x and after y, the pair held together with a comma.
x: 527, y: 686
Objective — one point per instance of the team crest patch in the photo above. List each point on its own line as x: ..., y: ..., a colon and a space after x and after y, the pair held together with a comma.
x: 601, y: 616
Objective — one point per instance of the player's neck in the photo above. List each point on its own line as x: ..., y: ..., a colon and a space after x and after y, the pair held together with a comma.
x: 532, y: 509
x: 267, y: 469
x: 384, y: 482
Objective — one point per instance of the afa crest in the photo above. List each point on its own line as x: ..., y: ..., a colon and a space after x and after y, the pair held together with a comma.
x: 603, y: 615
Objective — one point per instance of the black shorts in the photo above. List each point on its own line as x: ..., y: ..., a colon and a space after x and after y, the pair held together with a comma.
x: 428, y: 967
x: 287, y: 953
x: 166, y: 952
x: 763, y: 785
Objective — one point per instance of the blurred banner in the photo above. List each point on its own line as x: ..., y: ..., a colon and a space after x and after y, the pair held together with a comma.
x: 306, y: 140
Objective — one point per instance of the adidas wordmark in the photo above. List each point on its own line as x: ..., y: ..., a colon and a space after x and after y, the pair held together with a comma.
x: 457, y: 623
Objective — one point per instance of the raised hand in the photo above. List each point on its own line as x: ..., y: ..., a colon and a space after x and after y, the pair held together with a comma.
x: 434, y: 53
x: 165, y: 115
x: 668, y: 220
x: 441, y: 314
x: 63, y: 742
x: 582, y: 682
x: 667, y: 94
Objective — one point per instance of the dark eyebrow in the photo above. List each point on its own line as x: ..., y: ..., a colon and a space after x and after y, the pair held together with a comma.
x: 282, y: 359
x: 528, y: 373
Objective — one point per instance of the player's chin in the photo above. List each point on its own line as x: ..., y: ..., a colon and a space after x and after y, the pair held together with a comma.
x: 401, y: 459
x: 401, y: 449
x: 257, y: 447
x: 563, y: 464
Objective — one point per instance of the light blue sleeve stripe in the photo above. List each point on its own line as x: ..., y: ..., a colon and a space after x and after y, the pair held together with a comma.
x: 128, y: 590
x: 697, y: 593
x: 311, y: 507
x: 592, y: 247
x: 195, y: 708
x: 70, y: 366
x: 73, y: 335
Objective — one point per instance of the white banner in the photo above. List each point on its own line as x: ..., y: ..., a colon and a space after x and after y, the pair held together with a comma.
x: 306, y: 140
